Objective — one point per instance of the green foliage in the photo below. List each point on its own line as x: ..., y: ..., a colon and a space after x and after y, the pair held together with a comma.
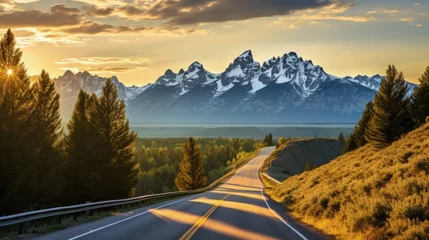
x: 390, y: 118
x: 191, y: 175
x: 46, y: 138
x: 341, y: 138
x: 79, y: 169
x: 18, y: 178
x: 112, y: 146
x: 420, y: 100
x: 268, y: 140
x: 158, y: 160
x: 350, y: 143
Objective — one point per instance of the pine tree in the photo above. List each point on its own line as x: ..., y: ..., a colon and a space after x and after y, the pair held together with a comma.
x: 78, y: 170
x: 114, y: 145
x: 362, y: 125
x: 350, y: 143
x: 47, y: 134
x: 270, y: 141
x: 17, y: 176
x: 420, y: 100
x: 191, y: 175
x: 390, y: 118
x: 341, y: 138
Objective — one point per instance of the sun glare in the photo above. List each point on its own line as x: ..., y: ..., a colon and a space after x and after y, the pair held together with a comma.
x: 9, y: 72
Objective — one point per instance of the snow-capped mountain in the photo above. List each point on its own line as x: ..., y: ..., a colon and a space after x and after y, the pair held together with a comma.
x: 282, y: 89
x: 69, y: 85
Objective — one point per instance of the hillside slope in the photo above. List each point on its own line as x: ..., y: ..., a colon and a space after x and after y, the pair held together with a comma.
x: 367, y: 194
x: 291, y: 158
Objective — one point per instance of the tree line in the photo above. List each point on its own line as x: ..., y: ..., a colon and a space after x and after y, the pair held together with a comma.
x: 40, y: 166
x: 392, y: 113
x: 159, y: 159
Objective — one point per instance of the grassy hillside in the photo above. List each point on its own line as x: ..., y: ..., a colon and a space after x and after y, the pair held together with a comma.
x: 291, y: 158
x: 367, y: 194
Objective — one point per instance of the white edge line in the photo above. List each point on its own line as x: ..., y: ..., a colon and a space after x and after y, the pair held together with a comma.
x: 145, y: 212
x: 137, y: 215
x: 274, y: 212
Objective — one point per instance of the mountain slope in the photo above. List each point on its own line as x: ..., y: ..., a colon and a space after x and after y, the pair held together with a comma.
x: 69, y: 85
x: 367, y: 194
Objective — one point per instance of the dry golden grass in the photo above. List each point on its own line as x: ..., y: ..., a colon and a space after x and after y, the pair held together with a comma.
x: 367, y: 194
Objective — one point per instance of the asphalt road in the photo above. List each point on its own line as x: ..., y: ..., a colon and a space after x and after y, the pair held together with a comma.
x: 236, y: 209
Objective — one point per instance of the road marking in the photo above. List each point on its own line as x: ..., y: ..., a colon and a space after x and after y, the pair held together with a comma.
x: 188, y: 234
x: 274, y: 212
x: 137, y: 215
x: 182, y: 200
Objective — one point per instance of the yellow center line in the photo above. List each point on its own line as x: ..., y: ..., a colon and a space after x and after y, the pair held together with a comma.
x: 188, y: 234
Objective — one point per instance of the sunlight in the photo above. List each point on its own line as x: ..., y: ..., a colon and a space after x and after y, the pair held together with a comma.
x: 212, y: 225
x: 9, y: 72
x: 249, y: 195
x: 245, y: 207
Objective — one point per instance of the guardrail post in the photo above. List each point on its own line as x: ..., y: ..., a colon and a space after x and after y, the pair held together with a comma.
x: 58, y: 219
x: 90, y: 212
x: 75, y: 216
x: 21, y: 227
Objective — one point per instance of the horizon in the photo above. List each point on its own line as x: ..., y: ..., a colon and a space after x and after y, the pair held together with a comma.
x: 138, y: 44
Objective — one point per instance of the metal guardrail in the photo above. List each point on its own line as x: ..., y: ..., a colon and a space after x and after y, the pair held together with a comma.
x: 59, y: 212
x: 270, y: 178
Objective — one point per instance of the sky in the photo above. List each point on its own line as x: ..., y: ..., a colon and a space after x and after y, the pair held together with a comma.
x: 138, y: 40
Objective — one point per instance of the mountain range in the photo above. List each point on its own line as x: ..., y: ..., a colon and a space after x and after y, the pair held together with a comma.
x: 281, y: 90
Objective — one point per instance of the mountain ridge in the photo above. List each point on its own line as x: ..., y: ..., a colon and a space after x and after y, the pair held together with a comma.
x: 282, y: 89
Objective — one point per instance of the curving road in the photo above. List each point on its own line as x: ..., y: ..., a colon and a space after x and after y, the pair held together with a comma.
x: 236, y: 209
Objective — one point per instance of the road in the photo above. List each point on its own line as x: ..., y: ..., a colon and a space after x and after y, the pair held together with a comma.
x: 236, y: 209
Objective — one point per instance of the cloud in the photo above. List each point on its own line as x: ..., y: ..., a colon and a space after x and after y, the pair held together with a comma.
x: 93, y: 28
x: 105, y: 64
x: 416, y: 4
x: 419, y: 25
x: 100, y: 12
x: 407, y: 19
x: 331, y: 12
x: 383, y: 11
x: 209, y: 11
x: 59, y: 16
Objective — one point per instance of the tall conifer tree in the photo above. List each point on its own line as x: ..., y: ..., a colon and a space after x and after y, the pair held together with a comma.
x: 114, y: 145
x: 420, y: 100
x: 359, y: 132
x: 390, y: 118
x: 17, y: 176
x: 191, y: 175
x: 78, y: 169
x: 47, y: 135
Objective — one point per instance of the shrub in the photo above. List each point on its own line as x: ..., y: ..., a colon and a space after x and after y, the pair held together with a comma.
x: 427, y: 119
x: 422, y: 165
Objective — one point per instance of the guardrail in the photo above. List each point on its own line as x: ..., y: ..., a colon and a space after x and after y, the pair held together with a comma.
x: 75, y: 210
x: 269, y: 178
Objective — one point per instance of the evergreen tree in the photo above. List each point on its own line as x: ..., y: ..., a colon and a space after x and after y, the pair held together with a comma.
x: 270, y: 141
x: 17, y: 170
x: 341, y: 138
x: 350, y: 143
x: 420, y: 100
x: 390, y: 118
x: 362, y: 125
x: 114, y: 145
x: 191, y: 175
x: 80, y: 175
x: 46, y: 138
